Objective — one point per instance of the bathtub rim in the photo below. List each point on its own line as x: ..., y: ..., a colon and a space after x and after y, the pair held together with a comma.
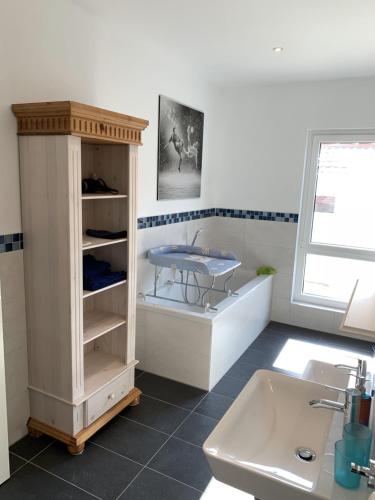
x: 206, y: 317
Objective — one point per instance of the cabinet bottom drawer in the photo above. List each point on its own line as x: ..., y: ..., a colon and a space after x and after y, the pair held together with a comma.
x: 107, y: 397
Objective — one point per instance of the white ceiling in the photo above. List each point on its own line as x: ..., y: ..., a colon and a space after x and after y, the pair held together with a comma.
x: 231, y: 41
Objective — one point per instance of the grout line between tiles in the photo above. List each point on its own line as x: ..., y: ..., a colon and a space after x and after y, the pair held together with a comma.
x: 44, y: 449
x: 173, y: 478
x: 144, y: 425
x: 65, y: 480
x: 21, y: 466
x: 116, y: 453
x: 139, y: 375
x: 187, y: 442
x: 30, y: 462
x: 143, y: 465
x: 162, y: 446
x: 166, y: 402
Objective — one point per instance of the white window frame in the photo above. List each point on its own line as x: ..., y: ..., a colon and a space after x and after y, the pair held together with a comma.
x: 304, y: 245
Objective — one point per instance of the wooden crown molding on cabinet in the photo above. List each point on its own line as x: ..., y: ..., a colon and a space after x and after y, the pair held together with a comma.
x: 73, y: 118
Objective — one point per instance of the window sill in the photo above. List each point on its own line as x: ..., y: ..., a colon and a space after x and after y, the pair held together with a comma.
x: 310, y: 305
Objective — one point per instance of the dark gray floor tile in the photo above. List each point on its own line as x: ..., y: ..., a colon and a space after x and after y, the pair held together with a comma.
x: 229, y: 387
x: 270, y: 344
x: 28, y: 446
x: 214, y: 405
x: 184, y: 462
x: 196, y: 429
x: 242, y: 371
x: 360, y: 346
x: 151, y: 485
x: 31, y: 483
x: 262, y: 359
x: 138, y: 373
x: 130, y: 439
x: 156, y: 414
x: 15, y: 463
x: 97, y: 471
x: 170, y: 391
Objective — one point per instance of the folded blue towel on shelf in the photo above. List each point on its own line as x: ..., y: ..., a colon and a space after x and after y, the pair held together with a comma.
x: 92, y: 267
x: 109, y: 235
x: 103, y: 280
x: 97, y: 274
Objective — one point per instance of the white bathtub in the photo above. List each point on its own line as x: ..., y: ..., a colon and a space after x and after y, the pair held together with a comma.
x: 186, y: 344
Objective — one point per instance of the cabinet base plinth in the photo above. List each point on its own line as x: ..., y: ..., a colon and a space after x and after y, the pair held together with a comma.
x: 34, y: 433
x: 76, y: 444
x: 136, y: 401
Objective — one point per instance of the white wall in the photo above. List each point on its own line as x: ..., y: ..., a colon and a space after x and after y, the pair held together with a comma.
x: 260, y: 137
x: 64, y: 50
x: 59, y: 50
x: 259, y: 158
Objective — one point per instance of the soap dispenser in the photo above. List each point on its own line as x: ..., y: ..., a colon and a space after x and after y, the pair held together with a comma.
x: 365, y: 409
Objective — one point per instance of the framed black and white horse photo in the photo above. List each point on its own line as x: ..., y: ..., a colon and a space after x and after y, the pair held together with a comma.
x: 180, y: 150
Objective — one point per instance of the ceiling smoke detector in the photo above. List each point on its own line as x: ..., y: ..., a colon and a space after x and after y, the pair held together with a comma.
x: 278, y: 49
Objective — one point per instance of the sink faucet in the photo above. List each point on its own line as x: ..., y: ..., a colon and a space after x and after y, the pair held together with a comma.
x: 350, y: 408
x: 368, y: 472
x: 360, y: 372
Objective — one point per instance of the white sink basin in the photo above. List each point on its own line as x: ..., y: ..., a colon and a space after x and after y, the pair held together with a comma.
x: 253, y: 446
x: 327, y: 374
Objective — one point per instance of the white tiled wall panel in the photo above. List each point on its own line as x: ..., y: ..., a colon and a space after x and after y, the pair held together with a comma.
x: 256, y: 243
x: 15, y: 347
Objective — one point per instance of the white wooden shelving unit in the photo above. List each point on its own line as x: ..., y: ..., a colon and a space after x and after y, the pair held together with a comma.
x: 81, y: 343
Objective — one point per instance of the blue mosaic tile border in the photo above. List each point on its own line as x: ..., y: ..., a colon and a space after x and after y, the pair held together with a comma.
x: 11, y: 242
x: 162, y: 220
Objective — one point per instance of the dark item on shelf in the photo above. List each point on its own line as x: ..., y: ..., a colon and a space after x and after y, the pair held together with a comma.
x: 108, y: 235
x: 96, y: 185
x: 97, y: 274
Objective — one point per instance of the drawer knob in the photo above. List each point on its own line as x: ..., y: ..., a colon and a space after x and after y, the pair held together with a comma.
x: 111, y: 396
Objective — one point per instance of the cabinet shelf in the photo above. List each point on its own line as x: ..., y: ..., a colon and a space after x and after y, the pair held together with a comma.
x: 97, y: 323
x: 106, y: 196
x: 89, y: 293
x: 89, y: 242
x: 100, y: 368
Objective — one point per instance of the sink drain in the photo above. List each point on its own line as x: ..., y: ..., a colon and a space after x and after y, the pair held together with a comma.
x: 305, y: 454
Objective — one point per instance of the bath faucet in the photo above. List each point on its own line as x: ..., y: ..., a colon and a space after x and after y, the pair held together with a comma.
x: 196, y: 236
x: 350, y: 408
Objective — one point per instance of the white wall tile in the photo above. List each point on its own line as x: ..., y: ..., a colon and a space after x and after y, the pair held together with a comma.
x: 311, y: 317
x: 280, y: 310
x: 336, y: 322
x: 272, y: 233
x: 18, y: 412
x: 282, y: 285
x: 15, y: 343
x: 281, y: 258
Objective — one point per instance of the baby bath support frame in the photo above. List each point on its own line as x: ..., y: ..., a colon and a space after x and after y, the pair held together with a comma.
x: 198, y: 261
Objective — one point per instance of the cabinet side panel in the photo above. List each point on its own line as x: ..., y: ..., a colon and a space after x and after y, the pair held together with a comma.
x: 132, y: 251
x: 47, y: 207
x: 76, y: 286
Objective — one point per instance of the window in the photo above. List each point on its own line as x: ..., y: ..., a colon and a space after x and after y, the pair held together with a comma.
x: 336, y: 238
